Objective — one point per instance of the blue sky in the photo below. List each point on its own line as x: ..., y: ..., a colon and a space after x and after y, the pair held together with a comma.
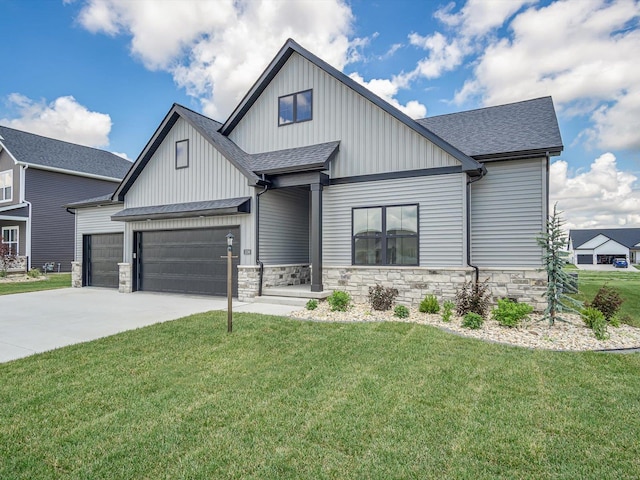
x: 105, y: 72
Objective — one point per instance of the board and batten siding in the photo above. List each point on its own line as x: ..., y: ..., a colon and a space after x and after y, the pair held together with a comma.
x: 371, y: 140
x: 209, y: 176
x: 508, y: 212
x: 284, y: 226
x: 95, y: 220
x: 441, y: 200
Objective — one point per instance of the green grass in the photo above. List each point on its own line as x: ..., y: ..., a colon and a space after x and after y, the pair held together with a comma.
x: 285, y: 399
x: 53, y: 281
x: 628, y: 284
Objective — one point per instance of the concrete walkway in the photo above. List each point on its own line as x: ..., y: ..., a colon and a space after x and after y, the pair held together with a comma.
x: 40, y: 321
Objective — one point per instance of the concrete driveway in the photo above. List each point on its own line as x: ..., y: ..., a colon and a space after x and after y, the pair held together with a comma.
x: 607, y: 268
x: 40, y: 321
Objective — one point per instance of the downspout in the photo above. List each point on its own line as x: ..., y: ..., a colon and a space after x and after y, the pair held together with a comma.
x: 257, y: 234
x: 483, y: 172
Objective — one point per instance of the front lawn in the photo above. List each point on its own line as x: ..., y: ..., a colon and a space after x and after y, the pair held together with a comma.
x: 282, y: 398
x: 628, y: 284
x: 53, y: 281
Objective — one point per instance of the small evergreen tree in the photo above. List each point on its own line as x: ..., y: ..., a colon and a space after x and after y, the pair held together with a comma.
x: 554, y: 258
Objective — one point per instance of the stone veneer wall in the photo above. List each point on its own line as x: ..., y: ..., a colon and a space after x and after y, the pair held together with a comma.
x: 272, y: 276
x: 76, y: 274
x: 413, y: 283
x: 124, y: 278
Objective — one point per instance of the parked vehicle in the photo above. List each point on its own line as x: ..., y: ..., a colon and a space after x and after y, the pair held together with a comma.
x: 620, y: 263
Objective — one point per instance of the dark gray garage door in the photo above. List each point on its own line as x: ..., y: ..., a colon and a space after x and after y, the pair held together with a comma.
x: 585, y: 259
x: 102, y: 253
x: 186, y: 261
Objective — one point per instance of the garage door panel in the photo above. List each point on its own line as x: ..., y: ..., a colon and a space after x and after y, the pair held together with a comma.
x: 187, y: 261
x: 585, y: 259
x: 105, y: 252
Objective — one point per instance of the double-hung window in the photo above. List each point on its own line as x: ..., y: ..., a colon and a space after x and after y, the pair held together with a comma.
x: 385, y: 235
x: 10, y: 238
x: 6, y: 186
x: 295, y: 108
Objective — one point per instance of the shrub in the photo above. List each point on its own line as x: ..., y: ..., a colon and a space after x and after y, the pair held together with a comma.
x: 509, y: 313
x: 339, y: 301
x: 594, y: 319
x: 429, y: 305
x: 382, y: 298
x: 615, y: 322
x: 312, y: 304
x: 401, y: 311
x: 473, y: 298
x: 608, y: 301
x: 472, y: 320
x: 447, y: 310
x: 34, y: 273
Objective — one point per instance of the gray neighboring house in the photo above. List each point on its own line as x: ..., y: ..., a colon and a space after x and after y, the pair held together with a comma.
x: 325, y: 184
x: 601, y: 246
x: 38, y: 175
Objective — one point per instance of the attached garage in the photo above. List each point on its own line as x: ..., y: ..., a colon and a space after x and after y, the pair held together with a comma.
x: 101, y: 255
x: 189, y: 261
x: 585, y: 259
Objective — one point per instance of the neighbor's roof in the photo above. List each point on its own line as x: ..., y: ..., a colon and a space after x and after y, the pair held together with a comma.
x: 629, y: 237
x: 521, y: 128
x: 48, y: 153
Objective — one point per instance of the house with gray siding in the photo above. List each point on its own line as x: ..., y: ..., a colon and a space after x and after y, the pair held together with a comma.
x: 323, y: 183
x: 602, y: 245
x: 38, y: 175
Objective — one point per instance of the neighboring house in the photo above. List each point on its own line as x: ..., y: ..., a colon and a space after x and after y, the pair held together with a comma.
x: 322, y: 182
x: 601, y: 246
x: 38, y: 175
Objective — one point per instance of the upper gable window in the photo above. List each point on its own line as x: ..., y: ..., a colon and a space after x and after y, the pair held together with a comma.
x: 295, y: 108
x: 182, y: 154
x: 6, y: 186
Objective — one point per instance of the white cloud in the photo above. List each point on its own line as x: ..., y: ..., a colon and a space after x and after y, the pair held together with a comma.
x: 601, y: 197
x: 578, y: 51
x: 388, y: 89
x: 64, y: 119
x: 122, y: 155
x: 216, y: 50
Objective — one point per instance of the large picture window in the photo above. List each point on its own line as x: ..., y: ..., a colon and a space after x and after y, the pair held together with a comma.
x: 6, y: 186
x: 295, y: 108
x: 385, y: 235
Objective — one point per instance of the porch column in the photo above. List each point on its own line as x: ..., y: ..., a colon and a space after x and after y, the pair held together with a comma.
x: 316, y: 237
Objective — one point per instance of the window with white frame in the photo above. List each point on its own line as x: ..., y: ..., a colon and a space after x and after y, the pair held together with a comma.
x: 295, y: 108
x: 6, y: 186
x: 385, y: 235
x: 10, y: 238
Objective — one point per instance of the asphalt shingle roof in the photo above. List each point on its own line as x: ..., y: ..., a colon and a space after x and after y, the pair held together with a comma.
x: 212, y: 207
x: 48, y: 152
x: 516, y: 127
x: 629, y: 237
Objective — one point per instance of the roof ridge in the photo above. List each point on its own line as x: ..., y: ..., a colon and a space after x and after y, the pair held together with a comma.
x: 198, y: 113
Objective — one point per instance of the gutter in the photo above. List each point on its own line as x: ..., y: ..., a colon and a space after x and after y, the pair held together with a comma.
x: 482, y: 172
x: 257, y: 234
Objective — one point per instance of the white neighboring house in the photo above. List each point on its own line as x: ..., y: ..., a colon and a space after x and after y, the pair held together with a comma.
x: 601, y: 246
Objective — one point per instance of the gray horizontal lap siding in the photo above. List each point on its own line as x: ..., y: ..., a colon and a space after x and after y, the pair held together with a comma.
x: 507, y: 214
x: 284, y: 226
x: 52, y: 227
x: 441, y: 209
x: 95, y: 220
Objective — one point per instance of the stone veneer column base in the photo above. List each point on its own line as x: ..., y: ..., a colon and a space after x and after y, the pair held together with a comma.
x: 248, y: 281
x: 76, y: 274
x: 414, y: 283
x: 124, y: 278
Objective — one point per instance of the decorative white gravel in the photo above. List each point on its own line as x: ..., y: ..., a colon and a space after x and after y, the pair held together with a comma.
x: 535, y: 332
